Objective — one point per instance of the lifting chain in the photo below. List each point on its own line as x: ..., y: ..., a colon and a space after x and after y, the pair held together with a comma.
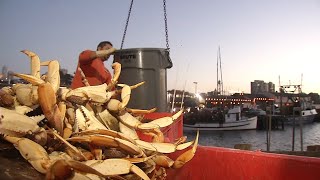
x: 165, y: 23
x: 166, y: 29
x: 125, y: 29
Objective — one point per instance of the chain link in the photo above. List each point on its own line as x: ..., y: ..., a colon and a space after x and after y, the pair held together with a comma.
x: 125, y: 29
x: 166, y: 24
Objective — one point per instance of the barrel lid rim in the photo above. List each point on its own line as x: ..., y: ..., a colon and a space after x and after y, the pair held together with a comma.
x: 139, y: 49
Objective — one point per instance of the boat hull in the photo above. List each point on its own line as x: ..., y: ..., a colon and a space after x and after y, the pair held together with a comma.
x: 224, y: 163
x: 246, y: 124
x: 306, y: 117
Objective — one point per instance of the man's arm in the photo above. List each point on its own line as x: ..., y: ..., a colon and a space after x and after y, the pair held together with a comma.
x: 87, y: 56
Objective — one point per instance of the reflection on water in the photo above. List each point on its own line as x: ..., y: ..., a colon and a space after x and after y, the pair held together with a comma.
x: 280, y: 139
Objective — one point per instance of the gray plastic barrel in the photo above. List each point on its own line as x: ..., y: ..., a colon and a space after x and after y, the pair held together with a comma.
x: 149, y: 65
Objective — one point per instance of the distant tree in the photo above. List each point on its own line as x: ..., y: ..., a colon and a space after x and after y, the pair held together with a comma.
x: 315, y: 97
x: 65, y: 79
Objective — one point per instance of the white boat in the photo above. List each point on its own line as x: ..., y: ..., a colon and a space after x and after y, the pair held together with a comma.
x: 307, y: 116
x: 233, y: 121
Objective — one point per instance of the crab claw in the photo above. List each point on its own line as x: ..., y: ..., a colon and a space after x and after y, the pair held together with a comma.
x: 31, y: 79
x: 86, y: 121
x: 47, y: 101
x: 35, y: 63
x: 14, y: 124
x: 53, y: 76
x: 186, y: 156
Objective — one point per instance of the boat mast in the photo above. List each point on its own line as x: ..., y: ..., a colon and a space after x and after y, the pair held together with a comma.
x: 219, y: 80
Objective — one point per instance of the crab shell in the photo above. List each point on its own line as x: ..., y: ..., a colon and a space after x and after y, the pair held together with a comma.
x: 6, y: 99
x: 97, y: 94
x: 25, y: 94
x: 86, y: 121
x: 18, y: 125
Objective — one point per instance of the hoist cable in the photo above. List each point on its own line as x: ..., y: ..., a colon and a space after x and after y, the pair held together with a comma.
x: 125, y: 29
x: 166, y: 30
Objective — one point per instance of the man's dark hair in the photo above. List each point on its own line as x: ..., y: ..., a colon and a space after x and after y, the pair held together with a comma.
x: 103, y: 43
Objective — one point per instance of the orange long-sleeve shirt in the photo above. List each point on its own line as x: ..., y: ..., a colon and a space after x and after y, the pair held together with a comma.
x: 93, y: 69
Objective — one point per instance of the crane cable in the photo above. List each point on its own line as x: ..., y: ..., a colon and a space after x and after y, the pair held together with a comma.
x: 126, y: 27
x: 165, y: 23
x: 166, y: 29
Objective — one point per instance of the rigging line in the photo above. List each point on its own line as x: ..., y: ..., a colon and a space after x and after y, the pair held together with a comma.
x: 174, y: 91
x: 127, y: 22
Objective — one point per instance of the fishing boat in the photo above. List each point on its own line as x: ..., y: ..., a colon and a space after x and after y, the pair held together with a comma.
x: 306, y: 116
x: 232, y: 120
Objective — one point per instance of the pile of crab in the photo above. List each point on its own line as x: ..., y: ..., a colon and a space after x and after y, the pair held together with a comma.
x: 85, y: 133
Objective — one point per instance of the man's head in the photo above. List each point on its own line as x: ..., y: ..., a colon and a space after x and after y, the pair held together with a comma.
x: 104, y: 45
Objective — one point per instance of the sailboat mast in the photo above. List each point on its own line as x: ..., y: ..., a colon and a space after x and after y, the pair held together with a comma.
x: 217, y: 73
x: 219, y: 80
x: 221, y: 72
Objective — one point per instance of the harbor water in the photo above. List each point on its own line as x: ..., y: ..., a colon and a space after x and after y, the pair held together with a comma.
x: 281, y: 140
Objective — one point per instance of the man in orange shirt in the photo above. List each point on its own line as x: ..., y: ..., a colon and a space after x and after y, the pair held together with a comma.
x: 91, y: 63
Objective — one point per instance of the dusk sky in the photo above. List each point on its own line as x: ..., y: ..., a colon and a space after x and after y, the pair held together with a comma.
x: 259, y: 39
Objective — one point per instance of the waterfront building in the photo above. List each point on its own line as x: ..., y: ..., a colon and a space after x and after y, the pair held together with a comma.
x: 259, y: 86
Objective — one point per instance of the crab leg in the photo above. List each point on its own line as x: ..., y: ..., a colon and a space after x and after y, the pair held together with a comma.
x: 34, y: 153
x: 83, y: 77
x: 109, y: 141
x: 163, y: 161
x: 108, y: 120
x: 117, y: 70
x: 63, y: 169
x: 161, y: 122
x: 141, y: 111
x: 156, y: 134
x: 125, y: 96
x: 117, y: 106
x: 53, y: 76
x: 35, y: 63
x: 116, y: 167
x: 129, y: 120
x: 128, y: 131
x: 162, y: 147
x: 74, y: 151
x: 139, y: 160
x: 186, y: 156
x: 108, y: 133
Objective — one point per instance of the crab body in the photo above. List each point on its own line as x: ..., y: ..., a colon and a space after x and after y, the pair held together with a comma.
x: 15, y: 124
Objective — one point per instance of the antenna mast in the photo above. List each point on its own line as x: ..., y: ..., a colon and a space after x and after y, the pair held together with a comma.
x: 219, y: 80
